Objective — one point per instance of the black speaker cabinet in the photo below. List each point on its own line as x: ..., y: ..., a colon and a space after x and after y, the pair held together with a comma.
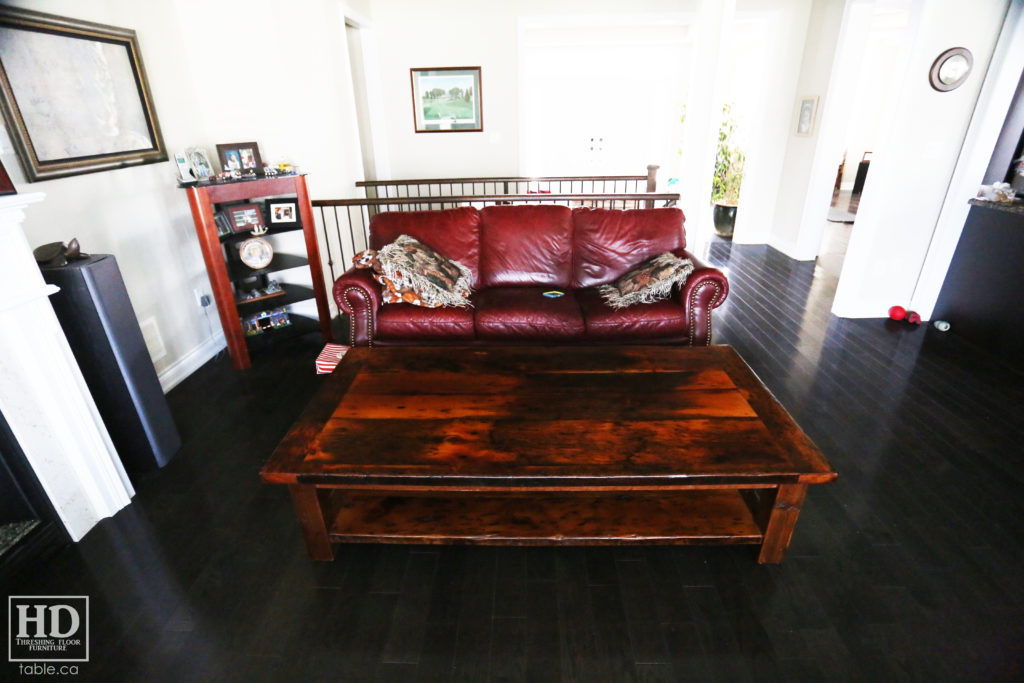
x: 101, y: 327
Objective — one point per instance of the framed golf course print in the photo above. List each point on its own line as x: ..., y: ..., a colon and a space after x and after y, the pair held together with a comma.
x: 447, y: 99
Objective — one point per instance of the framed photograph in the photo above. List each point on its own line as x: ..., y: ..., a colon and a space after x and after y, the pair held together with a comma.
x: 447, y: 99
x: 202, y: 169
x: 74, y: 95
x: 808, y: 112
x: 223, y: 224
x: 245, y: 217
x: 240, y: 156
x: 283, y: 213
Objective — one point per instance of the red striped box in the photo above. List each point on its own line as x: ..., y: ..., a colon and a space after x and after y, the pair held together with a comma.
x: 329, y: 358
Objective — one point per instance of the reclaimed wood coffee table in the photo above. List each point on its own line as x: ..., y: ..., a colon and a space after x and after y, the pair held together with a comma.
x: 538, y: 446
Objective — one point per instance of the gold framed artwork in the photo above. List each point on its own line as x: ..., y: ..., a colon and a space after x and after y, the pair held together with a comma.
x: 74, y: 95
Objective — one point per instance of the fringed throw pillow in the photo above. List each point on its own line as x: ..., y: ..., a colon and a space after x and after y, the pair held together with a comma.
x: 649, y: 282
x: 411, y: 272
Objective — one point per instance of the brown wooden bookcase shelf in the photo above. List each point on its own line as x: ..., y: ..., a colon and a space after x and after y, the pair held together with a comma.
x: 224, y: 270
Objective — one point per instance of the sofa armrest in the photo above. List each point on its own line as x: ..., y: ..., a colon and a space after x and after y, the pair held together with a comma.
x: 358, y: 294
x: 705, y: 289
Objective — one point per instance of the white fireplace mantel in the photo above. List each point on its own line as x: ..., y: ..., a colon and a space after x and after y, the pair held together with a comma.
x: 43, y: 395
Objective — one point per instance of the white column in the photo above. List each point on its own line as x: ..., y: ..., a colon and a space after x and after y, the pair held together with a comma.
x: 43, y: 395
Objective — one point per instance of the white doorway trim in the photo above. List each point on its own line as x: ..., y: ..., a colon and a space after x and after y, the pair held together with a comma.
x: 834, y: 117
x: 369, y: 71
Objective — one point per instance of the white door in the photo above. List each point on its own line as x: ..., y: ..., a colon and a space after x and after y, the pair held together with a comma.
x: 602, y: 99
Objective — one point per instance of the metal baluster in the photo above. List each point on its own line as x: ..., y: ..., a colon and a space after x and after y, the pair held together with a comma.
x: 351, y: 234
x: 327, y: 241
x: 362, y: 226
x: 339, y: 242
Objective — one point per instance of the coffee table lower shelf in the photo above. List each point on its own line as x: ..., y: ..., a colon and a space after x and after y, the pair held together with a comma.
x: 701, y: 516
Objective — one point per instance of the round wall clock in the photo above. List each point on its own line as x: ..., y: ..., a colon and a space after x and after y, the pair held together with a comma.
x: 256, y: 252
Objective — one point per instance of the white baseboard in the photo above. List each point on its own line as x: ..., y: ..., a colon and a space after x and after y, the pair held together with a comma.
x: 191, y: 361
x: 791, y: 249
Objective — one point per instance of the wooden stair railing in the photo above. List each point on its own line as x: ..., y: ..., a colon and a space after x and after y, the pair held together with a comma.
x: 511, y: 185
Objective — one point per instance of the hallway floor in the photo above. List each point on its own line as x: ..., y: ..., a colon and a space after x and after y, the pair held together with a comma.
x: 908, y: 567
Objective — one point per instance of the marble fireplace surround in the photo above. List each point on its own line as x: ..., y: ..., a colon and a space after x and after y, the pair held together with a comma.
x: 42, y: 393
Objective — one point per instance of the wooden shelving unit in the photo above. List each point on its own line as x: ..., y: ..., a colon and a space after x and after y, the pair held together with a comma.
x: 224, y: 270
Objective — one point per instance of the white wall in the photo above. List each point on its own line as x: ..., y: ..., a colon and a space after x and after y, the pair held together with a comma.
x: 912, y: 167
x: 880, y: 50
x: 630, y: 78
x: 222, y: 71
x: 781, y: 29
x: 803, y: 199
x: 994, y: 103
x: 412, y: 33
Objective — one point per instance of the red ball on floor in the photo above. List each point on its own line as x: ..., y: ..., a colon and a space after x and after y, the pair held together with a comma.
x: 897, y: 313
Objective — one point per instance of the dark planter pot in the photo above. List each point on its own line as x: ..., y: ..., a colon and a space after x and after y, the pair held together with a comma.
x: 725, y: 220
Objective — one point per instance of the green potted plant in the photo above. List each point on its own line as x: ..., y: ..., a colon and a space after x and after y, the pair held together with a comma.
x: 725, y: 185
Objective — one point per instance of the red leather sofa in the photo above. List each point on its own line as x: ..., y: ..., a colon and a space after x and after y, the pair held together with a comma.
x: 518, y: 252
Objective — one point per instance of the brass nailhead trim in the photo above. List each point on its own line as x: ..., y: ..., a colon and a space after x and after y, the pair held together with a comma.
x: 369, y: 318
x: 711, y: 306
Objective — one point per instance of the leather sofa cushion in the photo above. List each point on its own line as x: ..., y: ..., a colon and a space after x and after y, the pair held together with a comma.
x: 453, y: 233
x: 524, y: 313
x: 661, y: 319
x: 607, y: 243
x: 408, y: 322
x: 526, y: 245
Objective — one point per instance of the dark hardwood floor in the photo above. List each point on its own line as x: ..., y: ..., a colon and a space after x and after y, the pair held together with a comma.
x: 908, y: 567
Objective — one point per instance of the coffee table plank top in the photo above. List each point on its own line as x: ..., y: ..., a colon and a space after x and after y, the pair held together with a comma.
x: 559, y: 417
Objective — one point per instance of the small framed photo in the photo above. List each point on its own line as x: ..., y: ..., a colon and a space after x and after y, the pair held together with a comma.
x: 807, y: 114
x: 202, y: 169
x: 447, y: 99
x: 223, y: 224
x: 244, y: 217
x: 240, y: 156
x: 283, y: 213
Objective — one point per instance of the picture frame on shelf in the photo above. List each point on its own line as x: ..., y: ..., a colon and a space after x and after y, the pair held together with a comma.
x: 283, y: 213
x: 106, y: 121
x: 202, y: 169
x: 243, y: 157
x: 447, y: 99
x: 223, y: 224
x: 245, y: 218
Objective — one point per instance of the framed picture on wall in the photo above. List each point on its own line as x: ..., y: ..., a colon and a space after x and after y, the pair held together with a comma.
x: 806, y: 116
x: 74, y: 95
x: 447, y: 99
x: 240, y: 156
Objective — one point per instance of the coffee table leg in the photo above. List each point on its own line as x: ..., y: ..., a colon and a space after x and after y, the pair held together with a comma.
x: 781, y: 522
x: 309, y: 509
